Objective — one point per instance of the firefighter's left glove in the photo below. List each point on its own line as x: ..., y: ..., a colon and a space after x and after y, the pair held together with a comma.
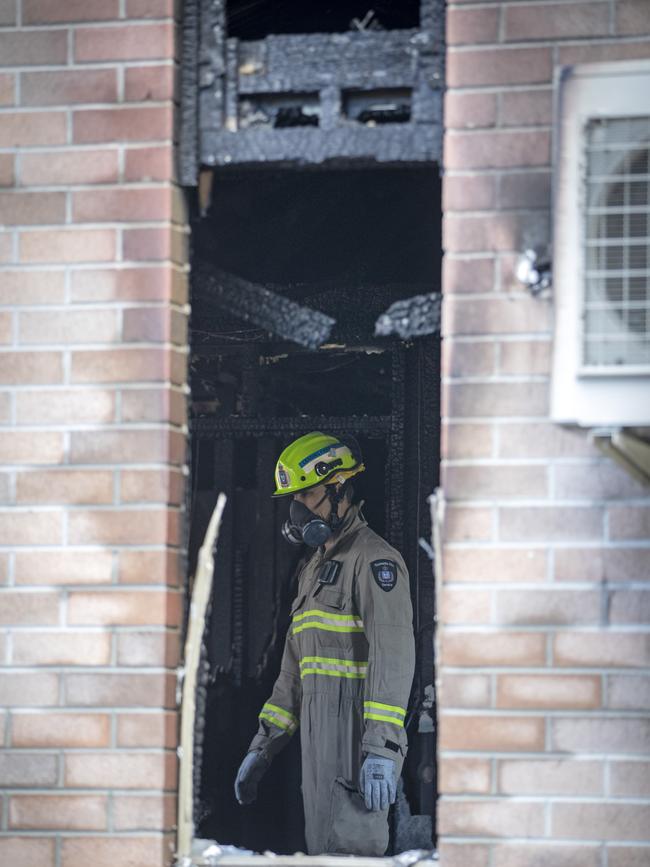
x: 250, y: 772
x: 377, y: 782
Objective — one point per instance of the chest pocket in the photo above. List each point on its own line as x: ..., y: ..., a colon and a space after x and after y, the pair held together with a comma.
x: 334, y: 599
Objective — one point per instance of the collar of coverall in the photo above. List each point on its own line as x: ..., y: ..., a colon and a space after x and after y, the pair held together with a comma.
x: 352, y: 523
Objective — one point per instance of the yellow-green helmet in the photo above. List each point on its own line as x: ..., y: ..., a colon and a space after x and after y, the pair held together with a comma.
x: 314, y: 459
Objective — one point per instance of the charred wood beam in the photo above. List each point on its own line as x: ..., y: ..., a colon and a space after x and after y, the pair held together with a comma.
x: 262, y: 307
x: 209, y: 428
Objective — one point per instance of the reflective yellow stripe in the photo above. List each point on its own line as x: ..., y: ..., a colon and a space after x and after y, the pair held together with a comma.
x: 288, y: 727
x: 350, y: 674
x: 326, y: 627
x: 391, y: 708
x: 317, y: 612
x: 382, y: 718
x: 281, y: 712
x: 361, y: 663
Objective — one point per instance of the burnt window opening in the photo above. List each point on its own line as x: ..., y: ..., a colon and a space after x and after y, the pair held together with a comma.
x: 256, y: 19
x: 347, y: 241
x: 373, y: 107
x: 279, y: 110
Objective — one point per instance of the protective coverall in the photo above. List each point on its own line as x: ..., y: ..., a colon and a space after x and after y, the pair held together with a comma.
x: 345, y: 678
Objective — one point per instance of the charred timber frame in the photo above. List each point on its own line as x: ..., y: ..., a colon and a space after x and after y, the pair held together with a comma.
x: 220, y: 73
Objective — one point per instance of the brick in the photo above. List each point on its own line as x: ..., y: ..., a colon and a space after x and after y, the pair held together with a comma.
x: 149, y: 567
x: 506, y: 399
x: 629, y: 606
x: 604, y: 480
x: 120, y: 690
x: 52, y: 11
x: 123, y: 124
x: 527, y: 108
x: 154, y: 324
x: 19, y: 608
x: 160, y: 649
x: 121, y: 205
x: 545, y: 855
x: 70, y: 326
x: 464, y: 776
x: 28, y: 690
x: 120, y: 446
x: 62, y: 648
x: 537, y: 523
x: 525, y: 190
x: 123, y: 608
x: 599, y: 52
x: 69, y: 88
x: 494, y: 233
x: 27, y: 769
x: 36, y: 48
x: 128, y: 851
x: 541, y: 440
x: 461, y: 358
x: 627, y: 692
x: 462, y: 275
x: 124, y: 527
x: 63, y: 567
x: 19, y: 208
x: 147, y: 730
x: 629, y: 779
x: 27, y: 851
x: 144, y: 42
x: 629, y: 522
x: 600, y: 821
x: 493, y: 150
x: 556, y: 21
x: 123, y: 284
x: 469, y: 192
x: 548, y: 691
x: 30, y: 447
x: 460, y: 854
x: 84, y: 730
x: 547, y: 607
x: 120, y: 365
x: 601, y: 735
x: 603, y: 649
x: 61, y: 812
x: 7, y: 174
x: 32, y: 287
x: 7, y: 88
x: 31, y: 368
x: 601, y: 564
x: 493, y: 733
x: 149, y: 164
x: 152, y: 486
x: 493, y: 818
x: 550, y: 777
x: 149, y: 83
x: 74, y: 167
x: 123, y: 771
x: 7, y: 12
x: 144, y: 812
x: 470, y: 110
x: 525, y: 357
x: 499, y: 66
x: 7, y: 247
x: 491, y: 565
x: 85, y: 406
x: 6, y: 331
x: 151, y: 9
x: 468, y: 524
x: 67, y: 245
x: 632, y: 18
x: 30, y: 528
x: 164, y: 404
x: 495, y: 482
x: 465, y: 690
x: 627, y: 856
x: 142, y: 245
x: 466, y: 441
x: 510, y: 649
x: 472, y: 26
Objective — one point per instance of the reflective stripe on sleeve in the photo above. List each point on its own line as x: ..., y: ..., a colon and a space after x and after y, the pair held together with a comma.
x: 280, y: 717
x: 389, y: 713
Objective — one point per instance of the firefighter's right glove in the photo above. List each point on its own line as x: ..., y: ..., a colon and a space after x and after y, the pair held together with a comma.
x: 377, y: 782
x: 250, y: 772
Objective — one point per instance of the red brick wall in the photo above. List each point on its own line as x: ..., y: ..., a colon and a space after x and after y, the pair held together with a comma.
x: 545, y: 687
x: 92, y: 367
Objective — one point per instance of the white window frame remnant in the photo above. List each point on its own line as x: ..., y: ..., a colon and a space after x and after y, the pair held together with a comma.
x: 598, y: 395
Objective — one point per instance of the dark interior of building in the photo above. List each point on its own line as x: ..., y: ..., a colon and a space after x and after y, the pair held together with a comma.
x: 345, y: 240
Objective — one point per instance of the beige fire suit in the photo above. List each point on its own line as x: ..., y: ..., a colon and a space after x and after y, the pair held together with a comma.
x: 345, y: 678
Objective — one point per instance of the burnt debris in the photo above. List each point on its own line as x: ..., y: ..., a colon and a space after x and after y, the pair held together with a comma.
x: 411, y: 317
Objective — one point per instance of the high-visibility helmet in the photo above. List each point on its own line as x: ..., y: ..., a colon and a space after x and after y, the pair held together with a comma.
x: 314, y: 459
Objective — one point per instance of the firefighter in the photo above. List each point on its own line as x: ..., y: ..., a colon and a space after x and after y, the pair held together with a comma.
x: 348, y: 659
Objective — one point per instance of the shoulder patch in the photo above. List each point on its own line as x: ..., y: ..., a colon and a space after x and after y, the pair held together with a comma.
x: 385, y: 573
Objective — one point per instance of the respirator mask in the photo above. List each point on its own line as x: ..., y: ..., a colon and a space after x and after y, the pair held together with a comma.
x: 308, y: 528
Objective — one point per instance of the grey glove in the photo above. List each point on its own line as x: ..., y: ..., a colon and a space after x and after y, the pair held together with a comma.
x: 250, y: 772
x: 377, y: 782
